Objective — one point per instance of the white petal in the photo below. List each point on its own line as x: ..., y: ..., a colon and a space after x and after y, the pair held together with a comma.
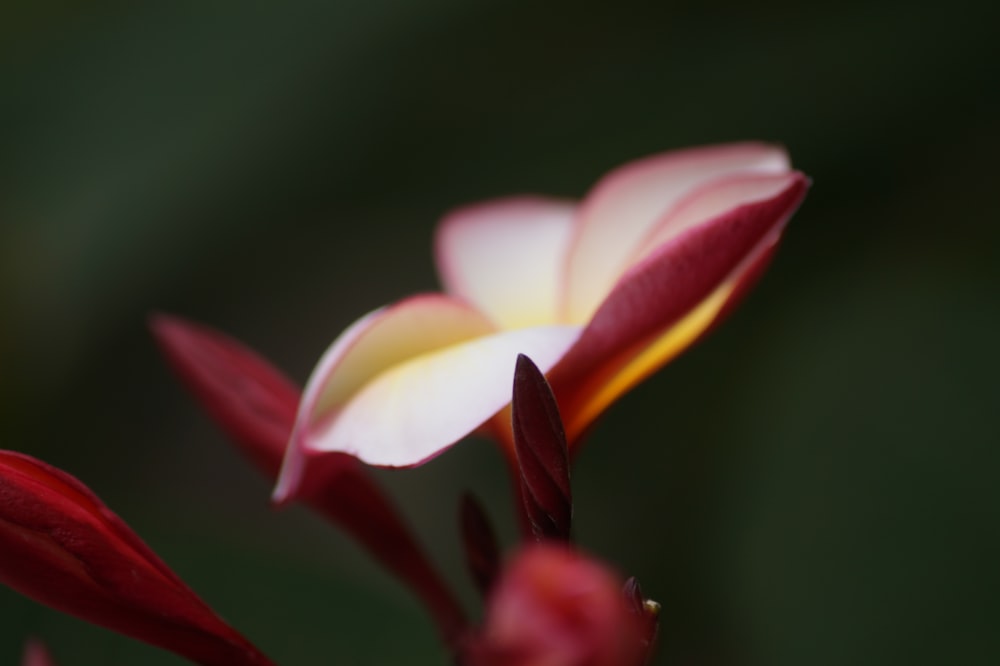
x: 381, y: 340
x: 415, y: 410
x: 625, y: 206
x: 385, y: 338
x: 507, y: 257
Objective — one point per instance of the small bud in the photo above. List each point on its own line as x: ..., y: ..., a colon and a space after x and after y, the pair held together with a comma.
x: 646, y: 612
x: 542, y: 455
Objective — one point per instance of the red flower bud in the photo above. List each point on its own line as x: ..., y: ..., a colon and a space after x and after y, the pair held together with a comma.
x: 556, y: 607
x: 542, y: 454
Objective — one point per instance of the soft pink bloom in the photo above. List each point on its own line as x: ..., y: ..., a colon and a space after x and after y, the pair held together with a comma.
x: 61, y: 546
x: 553, y: 606
x: 599, y: 294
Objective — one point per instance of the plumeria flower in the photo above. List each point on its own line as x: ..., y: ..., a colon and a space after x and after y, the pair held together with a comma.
x: 599, y: 293
x: 60, y: 545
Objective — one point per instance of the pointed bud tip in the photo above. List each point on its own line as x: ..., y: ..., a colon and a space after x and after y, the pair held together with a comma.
x: 526, y: 369
x: 633, y: 594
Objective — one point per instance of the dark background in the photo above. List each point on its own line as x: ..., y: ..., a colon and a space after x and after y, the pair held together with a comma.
x: 814, y: 484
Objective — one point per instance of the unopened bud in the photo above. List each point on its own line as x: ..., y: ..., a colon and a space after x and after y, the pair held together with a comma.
x: 555, y: 607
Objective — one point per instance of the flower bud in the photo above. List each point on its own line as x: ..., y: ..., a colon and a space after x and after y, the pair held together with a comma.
x: 556, y: 607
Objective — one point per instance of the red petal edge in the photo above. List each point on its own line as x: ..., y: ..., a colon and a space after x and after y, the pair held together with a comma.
x: 61, y: 546
x: 664, y: 287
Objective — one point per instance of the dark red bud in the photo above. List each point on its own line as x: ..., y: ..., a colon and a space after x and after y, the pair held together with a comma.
x: 542, y: 456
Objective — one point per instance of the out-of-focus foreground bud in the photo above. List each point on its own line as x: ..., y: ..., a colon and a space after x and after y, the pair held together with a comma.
x: 36, y: 654
x: 556, y: 607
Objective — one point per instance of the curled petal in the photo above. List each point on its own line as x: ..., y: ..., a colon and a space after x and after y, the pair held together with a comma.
x: 506, y: 257
x: 625, y: 206
x: 374, y: 344
x: 384, y: 339
x: 711, y: 201
x: 407, y: 381
x: 672, y: 296
x: 414, y: 410
x: 61, y: 546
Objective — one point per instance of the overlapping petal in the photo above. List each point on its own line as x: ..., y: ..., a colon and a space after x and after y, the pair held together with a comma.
x: 626, y: 205
x: 60, y: 545
x: 506, y: 257
x: 676, y: 290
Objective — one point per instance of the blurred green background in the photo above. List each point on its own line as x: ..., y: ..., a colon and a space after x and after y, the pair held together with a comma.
x: 815, y: 483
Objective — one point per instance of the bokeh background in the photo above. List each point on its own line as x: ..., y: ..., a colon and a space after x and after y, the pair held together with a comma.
x: 815, y: 483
